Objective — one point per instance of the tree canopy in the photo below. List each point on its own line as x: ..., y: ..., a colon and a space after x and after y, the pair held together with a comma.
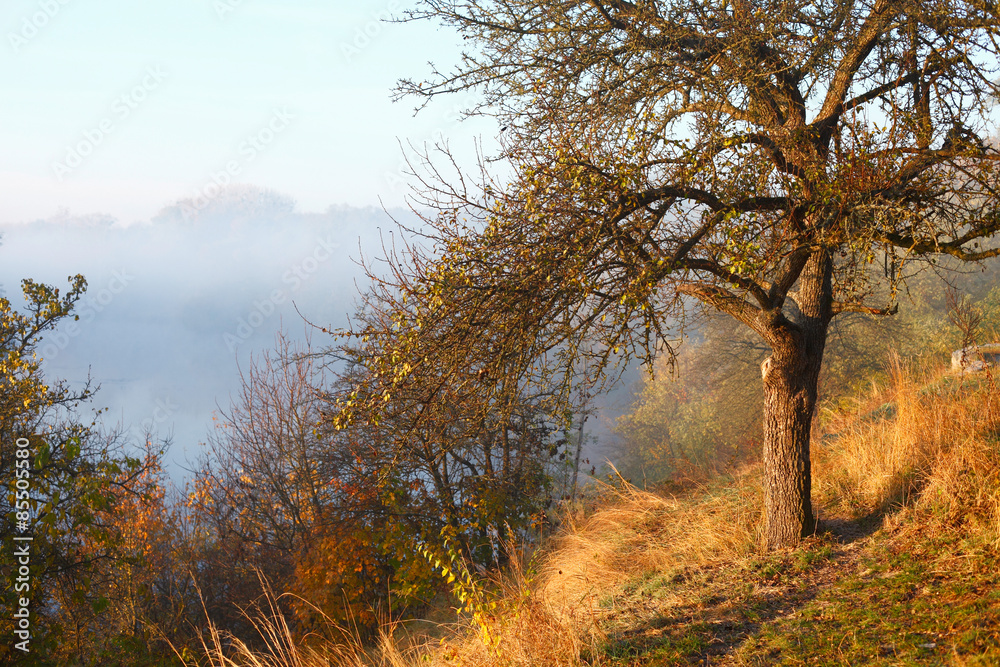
x: 773, y: 160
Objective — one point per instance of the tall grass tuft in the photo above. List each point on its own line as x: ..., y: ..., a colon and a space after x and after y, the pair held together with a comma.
x: 928, y: 441
x: 282, y: 648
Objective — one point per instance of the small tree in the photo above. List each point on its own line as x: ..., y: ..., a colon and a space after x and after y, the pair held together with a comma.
x: 472, y: 464
x: 278, y: 497
x: 755, y: 157
x: 67, y: 485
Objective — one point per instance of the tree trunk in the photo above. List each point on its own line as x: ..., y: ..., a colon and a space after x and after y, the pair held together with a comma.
x: 791, y: 376
x: 789, y: 400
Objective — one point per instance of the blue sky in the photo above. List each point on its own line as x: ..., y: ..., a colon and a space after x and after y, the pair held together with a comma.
x: 121, y: 107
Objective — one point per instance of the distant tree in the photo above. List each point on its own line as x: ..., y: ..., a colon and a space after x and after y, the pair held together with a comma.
x: 696, y: 415
x: 315, y: 512
x: 236, y: 203
x: 755, y: 157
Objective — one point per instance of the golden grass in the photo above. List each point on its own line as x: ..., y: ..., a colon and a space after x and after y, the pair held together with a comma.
x: 285, y: 649
x: 638, y: 532
x: 553, y: 618
x: 927, y: 442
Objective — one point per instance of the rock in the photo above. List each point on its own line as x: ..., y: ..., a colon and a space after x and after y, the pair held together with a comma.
x: 975, y: 358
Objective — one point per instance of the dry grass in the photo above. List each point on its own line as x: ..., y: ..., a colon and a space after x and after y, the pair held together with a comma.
x: 552, y: 617
x: 927, y: 442
x: 639, y: 532
x: 285, y: 649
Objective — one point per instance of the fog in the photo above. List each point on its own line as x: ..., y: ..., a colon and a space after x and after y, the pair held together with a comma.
x: 177, y: 305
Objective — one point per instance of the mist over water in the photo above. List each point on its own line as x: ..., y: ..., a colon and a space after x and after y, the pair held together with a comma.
x: 176, y: 306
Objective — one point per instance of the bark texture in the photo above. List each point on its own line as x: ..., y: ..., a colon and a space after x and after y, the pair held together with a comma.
x: 789, y: 400
x: 791, y: 378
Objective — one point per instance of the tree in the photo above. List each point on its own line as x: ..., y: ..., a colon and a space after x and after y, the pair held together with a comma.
x: 468, y: 466
x: 310, y: 510
x: 262, y: 490
x: 702, y: 415
x: 68, y: 484
x: 755, y: 158
x: 109, y: 607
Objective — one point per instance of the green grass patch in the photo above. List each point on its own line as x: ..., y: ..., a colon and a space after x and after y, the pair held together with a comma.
x: 914, y: 604
x: 658, y: 646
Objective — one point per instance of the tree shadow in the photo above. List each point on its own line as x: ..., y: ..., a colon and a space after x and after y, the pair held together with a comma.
x: 726, y: 605
x: 848, y: 531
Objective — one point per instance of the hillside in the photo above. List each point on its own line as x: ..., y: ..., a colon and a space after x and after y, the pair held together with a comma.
x: 903, y: 571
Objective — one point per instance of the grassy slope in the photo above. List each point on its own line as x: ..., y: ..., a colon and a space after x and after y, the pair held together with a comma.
x: 894, y: 597
x: 905, y: 570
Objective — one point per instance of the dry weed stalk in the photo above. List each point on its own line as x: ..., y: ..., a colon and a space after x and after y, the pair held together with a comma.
x: 284, y: 649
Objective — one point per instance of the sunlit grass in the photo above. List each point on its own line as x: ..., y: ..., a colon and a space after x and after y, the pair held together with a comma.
x: 653, y: 579
x: 927, y: 441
